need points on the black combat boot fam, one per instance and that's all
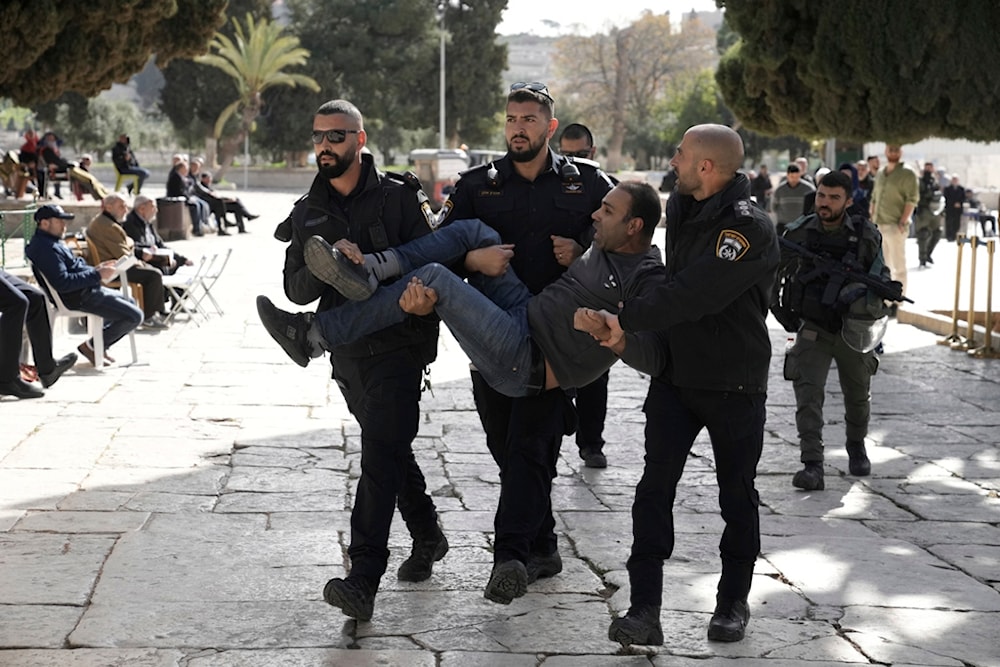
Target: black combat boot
(858, 462)
(810, 477)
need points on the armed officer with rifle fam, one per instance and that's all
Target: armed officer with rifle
(831, 291)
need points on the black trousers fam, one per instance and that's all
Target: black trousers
(383, 393)
(591, 410)
(524, 436)
(152, 288)
(23, 305)
(674, 418)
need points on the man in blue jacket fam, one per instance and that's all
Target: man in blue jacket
(78, 283)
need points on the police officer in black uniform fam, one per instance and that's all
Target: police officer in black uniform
(540, 202)
(828, 314)
(577, 141)
(721, 256)
(380, 375)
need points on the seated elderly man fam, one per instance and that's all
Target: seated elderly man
(107, 237)
(78, 283)
(149, 246)
(221, 204)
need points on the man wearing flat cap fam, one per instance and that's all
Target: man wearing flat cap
(79, 284)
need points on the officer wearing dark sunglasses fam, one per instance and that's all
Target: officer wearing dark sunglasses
(543, 209)
(577, 141)
(380, 375)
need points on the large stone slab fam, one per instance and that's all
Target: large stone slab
(924, 636)
(84, 657)
(884, 572)
(50, 568)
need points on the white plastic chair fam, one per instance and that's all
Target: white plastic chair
(184, 288)
(95, 323)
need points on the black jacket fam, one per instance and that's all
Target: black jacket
(721, 258)
(379, 214)
(526, 213)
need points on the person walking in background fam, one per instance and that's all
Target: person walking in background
(954, 204)
(928, 215)
(577, 141)
(721, 258)
(789, 197)
(894, 198)
(761, 188)
(825, 323)
(126, 163)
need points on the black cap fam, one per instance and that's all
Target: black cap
(52, 211)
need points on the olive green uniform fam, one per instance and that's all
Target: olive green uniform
(818, 341)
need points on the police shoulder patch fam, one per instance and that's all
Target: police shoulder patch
(731, 245)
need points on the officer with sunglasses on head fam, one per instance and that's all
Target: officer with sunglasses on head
(540, 203)
(379, 375)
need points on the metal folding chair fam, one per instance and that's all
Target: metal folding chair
(186, 288)
(215, 268)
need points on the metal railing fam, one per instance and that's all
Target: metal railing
(26, 230)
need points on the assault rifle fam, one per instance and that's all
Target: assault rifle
(844, 272)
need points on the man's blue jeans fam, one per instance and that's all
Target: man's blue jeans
(120, 315)
(488, 316)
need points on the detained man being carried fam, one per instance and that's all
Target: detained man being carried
(522, 344)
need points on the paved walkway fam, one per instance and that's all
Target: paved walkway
(188, 510)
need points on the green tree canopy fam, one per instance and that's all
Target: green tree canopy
(892, 70)
(257, 58)
(55, 46)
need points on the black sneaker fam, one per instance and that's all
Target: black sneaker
(332, 267)
(423, 555)
(62, 365)
(288, 329)
(858, 462)
(353, 596)
(508, 580)
(593, 458)
(542, 566)
(641, 626)
(729, 621)
(810, 477)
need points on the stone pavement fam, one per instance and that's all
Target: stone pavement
(188, 510)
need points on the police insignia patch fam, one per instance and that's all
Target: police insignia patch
(731, 245)
(445, 210)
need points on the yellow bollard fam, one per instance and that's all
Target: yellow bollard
(954, 338)
(986, 351)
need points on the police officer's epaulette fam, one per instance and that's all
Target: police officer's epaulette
(407, 178)
(585, 161)
(797, 222)
(743, 208)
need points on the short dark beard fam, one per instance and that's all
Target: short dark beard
(337, 169)
(528, 155)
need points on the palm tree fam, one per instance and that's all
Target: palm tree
(256, 60)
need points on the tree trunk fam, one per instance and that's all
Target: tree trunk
(617, 138)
